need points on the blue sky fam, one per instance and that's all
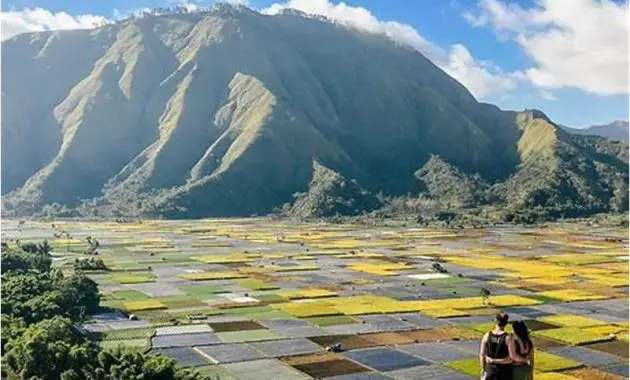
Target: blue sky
(517, 54)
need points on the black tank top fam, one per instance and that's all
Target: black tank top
(496, 347)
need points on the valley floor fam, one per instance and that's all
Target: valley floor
(261, 299)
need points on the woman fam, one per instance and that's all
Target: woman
(523, 353)
(494, 352)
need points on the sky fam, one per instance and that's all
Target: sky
(568, 58)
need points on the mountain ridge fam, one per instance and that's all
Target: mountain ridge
(223, 112)
(616, 130)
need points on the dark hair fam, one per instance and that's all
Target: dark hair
(521, 332)
(501, 319)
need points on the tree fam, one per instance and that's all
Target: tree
(38, 296)
(40, 248)
(53, 349)
(124, 363)
(93, 245)
(47, 350)
(39, 341)
(485, 296)
(79, 293)
(12, 327)
(20, 260)
(439, 268)
(89, 264)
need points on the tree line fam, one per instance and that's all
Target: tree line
(40, 307)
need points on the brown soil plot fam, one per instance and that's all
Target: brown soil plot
(591, 374)
(387, 338)
(615, 347)
(323, 365)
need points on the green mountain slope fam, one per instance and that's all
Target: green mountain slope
(223, 112)
(330, 194)
(561, 174)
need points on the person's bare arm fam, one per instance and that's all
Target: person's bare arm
(483, 351)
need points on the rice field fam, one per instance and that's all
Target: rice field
(238, 298)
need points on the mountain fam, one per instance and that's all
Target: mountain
(617, 130)
(231, 112)
(330, 194)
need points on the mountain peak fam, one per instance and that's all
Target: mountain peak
(214, 117)
(618, 130)
(529, 115)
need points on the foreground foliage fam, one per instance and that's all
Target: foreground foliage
(39, 341)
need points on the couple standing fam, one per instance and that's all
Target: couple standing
(504, 356)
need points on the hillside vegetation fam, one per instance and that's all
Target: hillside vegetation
(223, 112)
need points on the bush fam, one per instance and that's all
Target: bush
(91, 264)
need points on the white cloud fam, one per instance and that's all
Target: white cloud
(546, 95)
(481, 78)
(38, 19)
(573, 43)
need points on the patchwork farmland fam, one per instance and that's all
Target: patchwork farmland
(263, 299)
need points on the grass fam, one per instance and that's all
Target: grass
(270, 298)
(130, 295)
(181, 303)
(139, 344)
(578, 259)
(292, 268)
(444, 313)
(246, 336)
(468, 366)
(305, 310)
(269, 315)
(127, 334)
(144, 305)
(159, 317)
(215, 372)
(331, 320)
(467, 303)
(306, 293)
(132, 279)
(547, 362)
(606, 329)
(569, 295)
(380, 268)
(245, 310)
(553, 376)
(568, 320)
(183, 315)
(231, 259)
(572, 335)
(203, 276)
(256, 284)
(201, 289)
